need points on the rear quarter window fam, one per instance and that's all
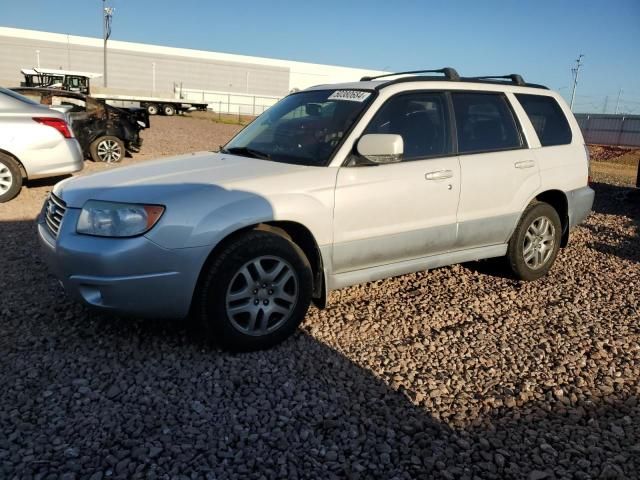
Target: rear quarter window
(547, 118)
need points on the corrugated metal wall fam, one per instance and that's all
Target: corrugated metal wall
(614, 130)
(133, 72)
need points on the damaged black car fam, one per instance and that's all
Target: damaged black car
(105, 133)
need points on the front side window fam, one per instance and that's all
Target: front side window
(484, 123)
(420, 119)
(304, 128)
(547, 118)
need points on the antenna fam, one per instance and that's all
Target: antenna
(575, 71)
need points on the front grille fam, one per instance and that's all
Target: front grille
(54, 212)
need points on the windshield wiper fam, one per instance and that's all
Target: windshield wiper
(247, 152)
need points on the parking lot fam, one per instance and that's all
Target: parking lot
(460, 372)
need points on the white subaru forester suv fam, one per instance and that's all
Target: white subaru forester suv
(333, 186)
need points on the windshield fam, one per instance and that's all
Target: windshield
(304, 128)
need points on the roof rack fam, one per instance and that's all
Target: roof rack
(514, 77)
(448, 72)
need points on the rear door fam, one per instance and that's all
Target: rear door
(499, 173)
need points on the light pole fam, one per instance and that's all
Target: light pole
(153, 78)
(107, 14)
(575, 71)
(38, 58)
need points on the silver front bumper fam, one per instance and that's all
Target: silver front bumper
(131, 276)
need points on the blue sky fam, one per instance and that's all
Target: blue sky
(539, 39)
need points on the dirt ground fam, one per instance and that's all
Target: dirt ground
(457, 373)
(615, 165)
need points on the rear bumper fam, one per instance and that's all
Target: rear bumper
(130, 276)
(66, 157)
(580, 203)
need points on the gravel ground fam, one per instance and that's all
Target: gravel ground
(460, 372)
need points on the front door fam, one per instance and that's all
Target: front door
(401, 211)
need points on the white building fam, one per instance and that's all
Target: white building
(141, 69)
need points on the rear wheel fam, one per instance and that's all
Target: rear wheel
(10, 178)
(256, 292)
(107, 149)
(152, 109)
(169, 110)
(534, 244)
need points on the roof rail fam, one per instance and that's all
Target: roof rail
(448, 72)
(514, 77)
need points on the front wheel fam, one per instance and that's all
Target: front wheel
(534, 244)
(256, 292)
(108, 149)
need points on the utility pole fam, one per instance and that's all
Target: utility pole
(618, 100)
(107, 14)
(576, 71)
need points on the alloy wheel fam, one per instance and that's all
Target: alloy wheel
(539, 241)
(6, 178)
(262, 295)
(109, 151)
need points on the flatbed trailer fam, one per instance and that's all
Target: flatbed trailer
(76, 81)
(155, 105)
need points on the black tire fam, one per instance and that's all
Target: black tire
(541, 253)
(169, 110)
(222, 275)
(152, 109)
(10, 178)
(107, 149)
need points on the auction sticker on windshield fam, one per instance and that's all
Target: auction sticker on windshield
(349, 95)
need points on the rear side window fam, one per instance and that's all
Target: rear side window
(547, 118)
(420, 119)
(485, 123)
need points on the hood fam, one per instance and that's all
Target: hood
(157, 181)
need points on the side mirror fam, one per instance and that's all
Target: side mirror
(381, 148)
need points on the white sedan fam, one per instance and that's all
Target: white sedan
(35, 142)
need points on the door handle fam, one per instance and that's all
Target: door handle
(525, 164)
(438, 175)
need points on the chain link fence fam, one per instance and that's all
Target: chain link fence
(231, 103)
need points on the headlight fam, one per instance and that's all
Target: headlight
(110, 219)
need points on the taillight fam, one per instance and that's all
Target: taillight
(56, 123)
